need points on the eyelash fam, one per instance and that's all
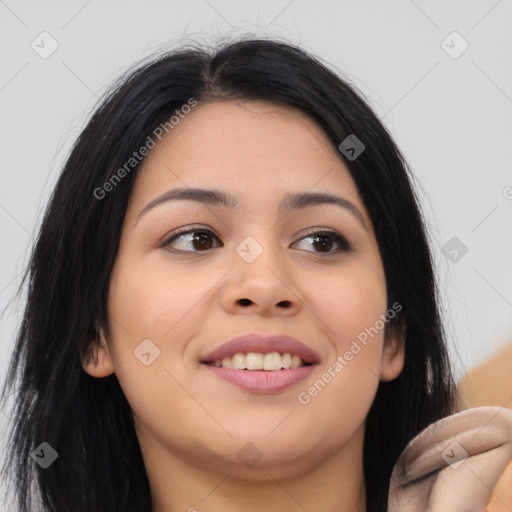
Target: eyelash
(339, 239)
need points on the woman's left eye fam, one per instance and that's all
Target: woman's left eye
(201, 240)
(320, 236)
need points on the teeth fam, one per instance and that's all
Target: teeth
(272, 361)
(256, 361)
(238, 362)
(227, 362)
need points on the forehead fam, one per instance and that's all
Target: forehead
(255, 133)
(257, 150)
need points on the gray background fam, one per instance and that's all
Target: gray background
(450, 116)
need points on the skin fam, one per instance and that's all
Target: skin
(190, 423)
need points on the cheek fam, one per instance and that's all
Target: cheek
(149, 301)
(139, 293)
(153, 315)
(350, 303)
(352, 306)
(343, 392)
(149, 309)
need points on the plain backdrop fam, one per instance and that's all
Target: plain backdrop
(438, 74)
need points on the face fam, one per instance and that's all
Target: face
(250, 269)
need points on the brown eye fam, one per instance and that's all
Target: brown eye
(196, 240)
(324, 241)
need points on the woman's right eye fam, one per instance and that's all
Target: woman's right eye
(199, 238)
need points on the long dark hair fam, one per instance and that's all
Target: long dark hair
(88, 420)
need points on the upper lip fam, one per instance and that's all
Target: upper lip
(263, 344)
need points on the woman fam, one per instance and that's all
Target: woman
(286, 367)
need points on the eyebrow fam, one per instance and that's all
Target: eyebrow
(293, 201)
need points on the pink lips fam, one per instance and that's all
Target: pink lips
(262, 381)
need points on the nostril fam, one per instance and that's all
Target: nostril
(245, 302)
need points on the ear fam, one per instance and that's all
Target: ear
(393, 352)
(98, 361)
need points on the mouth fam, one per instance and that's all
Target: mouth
(262, 364)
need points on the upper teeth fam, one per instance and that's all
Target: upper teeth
(256, 361)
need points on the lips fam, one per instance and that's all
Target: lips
(262, 344)
(262, 381)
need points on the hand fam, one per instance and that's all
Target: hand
(455, 464)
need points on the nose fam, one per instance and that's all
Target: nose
(264, 286)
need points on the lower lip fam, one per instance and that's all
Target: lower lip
(261, 381)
